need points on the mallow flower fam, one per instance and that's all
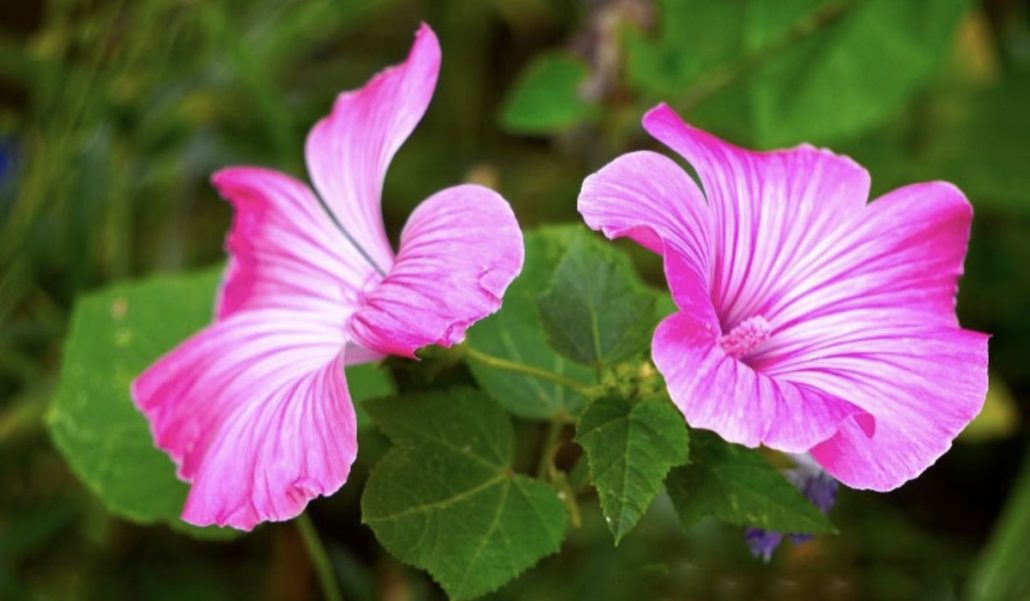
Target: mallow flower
(809, 320)
(254, 409)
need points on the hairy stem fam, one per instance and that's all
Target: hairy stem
(319, 558)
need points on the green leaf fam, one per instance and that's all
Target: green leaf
(514, 334)
(814, 70)
(445, 498)
(862, 65)
(547, 98)
(368, 381)
(974, 138)
(736, 485)
(597, 311)
(994, 122)
(631, 447)
(695, 42)
(115, 334)
(665, 306)
(693, 37)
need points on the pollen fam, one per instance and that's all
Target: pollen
(745, 336)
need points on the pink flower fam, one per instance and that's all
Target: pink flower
(809, 320)
(254, 409)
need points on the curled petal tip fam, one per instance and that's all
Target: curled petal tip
(660, 111)
(424, 29)
(459, 251)
(661, 107)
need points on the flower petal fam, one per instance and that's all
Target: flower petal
(858, 299)
(718, 392)
(771, 210)
(255, 412)
(873, 321)
(284, 252)
(348, 152)
(922, 386)
(458, 252)
(900, 260)
(652, 200)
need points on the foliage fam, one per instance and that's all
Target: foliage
(548, 96)
(446, 498)
(595, 311)
(631, 447)
(734, 484)
(509, 463)
(114, 335)
(512, 334)
(813, 66)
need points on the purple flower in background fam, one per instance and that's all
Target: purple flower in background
(810, 320)
(7, 147)
(255, 409)
(816, 485)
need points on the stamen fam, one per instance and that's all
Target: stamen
(745, 336)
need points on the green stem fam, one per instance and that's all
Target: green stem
(568, 495)
(550, 447)
(522, 368)
(558, 479)
(319, 558)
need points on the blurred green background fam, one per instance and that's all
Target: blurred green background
(113, 115)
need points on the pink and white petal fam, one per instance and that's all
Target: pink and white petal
(903, 254)
(922, 385)
(284, 252)
(255, 412)
(458, 252)
(689, 290)
(652, 200)
(874, 322)
(861, 302)
(349, 151)
(717, 392)
(771, 210)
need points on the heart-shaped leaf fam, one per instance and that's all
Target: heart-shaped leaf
(446, 499)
